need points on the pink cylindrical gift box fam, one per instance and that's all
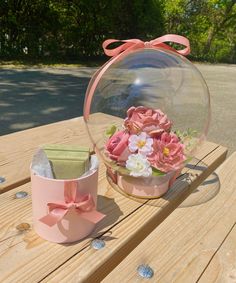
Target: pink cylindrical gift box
(73, 226)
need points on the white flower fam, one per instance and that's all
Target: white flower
(138, 165)
(142, 142)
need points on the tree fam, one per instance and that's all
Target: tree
(208, 24)
(69, 29)
(222, 14)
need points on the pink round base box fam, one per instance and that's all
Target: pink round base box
(64, 211)
(147, 188)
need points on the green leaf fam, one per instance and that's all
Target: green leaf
(110, 131)
(156, 172)
(121, 169)
(188, 159)
(189, 133)
(124, 171)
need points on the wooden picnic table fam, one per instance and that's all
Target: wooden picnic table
(188, 235)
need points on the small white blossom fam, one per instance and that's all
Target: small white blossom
(138, 165)
(142, 142)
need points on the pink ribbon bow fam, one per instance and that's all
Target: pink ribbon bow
(133, 44)
(127, 46)
(83, 205)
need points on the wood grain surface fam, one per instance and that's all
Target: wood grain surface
(194, 244)
(16, 150)
(222, 267)
(25, 257)
(126, 235)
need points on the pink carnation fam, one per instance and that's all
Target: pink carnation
(168, 153)
(143, 119)
(117, 146)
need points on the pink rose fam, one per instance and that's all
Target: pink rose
(168, 153)
(143, 119)
(117, 146)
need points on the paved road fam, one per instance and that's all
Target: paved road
(37, 96)
(221, 80)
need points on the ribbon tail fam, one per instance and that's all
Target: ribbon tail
(51, 219)
(93, 216)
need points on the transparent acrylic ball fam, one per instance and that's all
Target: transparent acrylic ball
(154, 79)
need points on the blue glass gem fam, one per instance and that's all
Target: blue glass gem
(21, 194)
(145, 271)
(2, 180)
(98, 244)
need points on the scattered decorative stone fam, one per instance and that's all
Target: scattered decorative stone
(2, 180)
(98, 244)
(145, 271)
(21, 194)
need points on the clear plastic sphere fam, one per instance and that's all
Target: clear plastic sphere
(155, 79)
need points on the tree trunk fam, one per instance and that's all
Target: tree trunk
(211, 34)
(217, 26)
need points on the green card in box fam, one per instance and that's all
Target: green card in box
(67, 161)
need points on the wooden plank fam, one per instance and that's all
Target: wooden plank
(24, 256)
(93, 266)
(222, 267)
(16, 150)
(181, 248)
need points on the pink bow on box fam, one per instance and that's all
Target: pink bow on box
(130, 45)
(84, 206)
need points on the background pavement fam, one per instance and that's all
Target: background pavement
(30, 97)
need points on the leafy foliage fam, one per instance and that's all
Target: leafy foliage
(156, 172)
(69, 29)
(111, 131)
(210, 26)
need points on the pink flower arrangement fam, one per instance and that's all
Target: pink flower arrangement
(146, 146)
(143, 119)
(168, 153)
(117, 144)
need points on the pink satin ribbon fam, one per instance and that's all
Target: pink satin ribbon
(128, 46)
(83, 205)
(133, 44)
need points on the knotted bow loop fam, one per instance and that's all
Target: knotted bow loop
(84, 206)
(128, 44)
(133, 44)
(178, 39)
